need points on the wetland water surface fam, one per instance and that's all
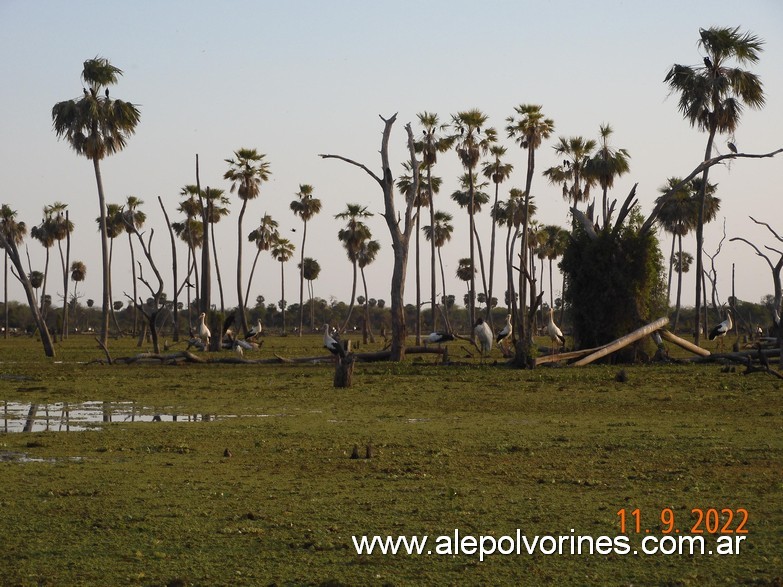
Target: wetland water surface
(76, 417)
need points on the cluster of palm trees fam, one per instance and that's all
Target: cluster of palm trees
(711, 97)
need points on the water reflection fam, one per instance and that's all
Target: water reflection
(70, 417)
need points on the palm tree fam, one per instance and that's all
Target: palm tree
(430, 144)
(10, 234)
(463, 198)
(191, 230)
(606, 165)
(264, 238)
(712, 97)
(115, 226)
(679, 215)
(13, 232)
(353, 237)
(95, 126)
(681, 262)
(573, 173)
(133, 220)
(554, 241)
(465, 272)
(61, 229)
(282, 251)
(497, 172)
(310, 270)
(366, 255)
(78, 273)
(405, 185)
(471, 144)
(529, 129)
(439, 233)
(247, 171)
(305, 206)
(44, 234)
(216, 208)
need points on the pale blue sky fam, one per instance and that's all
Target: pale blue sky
(294, 79)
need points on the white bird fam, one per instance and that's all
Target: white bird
(256, 330)
(238, 349)
(505, 334)
(722, 329)
(484, 335)
(203, 332)
(554, 332)
(439, 337)
(332, 345)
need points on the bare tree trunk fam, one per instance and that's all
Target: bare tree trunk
(106, 291)
(418, 277)
(174, 270)
(301, 278)
(242, 302)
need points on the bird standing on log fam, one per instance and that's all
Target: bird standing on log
(722, 329)
(203, 332)
(554, 332)
(331, 344)
(483, 336)
(256, 330)
(504, 335)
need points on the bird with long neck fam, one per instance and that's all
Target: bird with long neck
(483, 337)
(331, 344)
(203, 332)
(721, 330)
(504, 335)
(555, 334)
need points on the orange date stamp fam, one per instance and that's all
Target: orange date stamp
(701, 521)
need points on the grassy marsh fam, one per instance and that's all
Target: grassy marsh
(484, 449)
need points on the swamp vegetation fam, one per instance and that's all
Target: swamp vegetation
(266, 492)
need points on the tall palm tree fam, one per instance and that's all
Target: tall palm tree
(78, 273)
(264, 238)
(405, 185)
(44, 234)
(498, 172)
(96, 125)
(216, 204)
(13, 232)
(431, 142)
(712, 98)
(465, 272)
(310, 270)
(353, 237)
(61, 229)
(115, 226)
(572, 174)
(190, 231)
(554, 240)
(366, 255)
(439, 233)
(607, 164)
(246, 171)
(305, 206)
(679, 215)
(473, 139)
(10, 234)
(133, 220)
(282, 251)
(528, 128)
(463, 198)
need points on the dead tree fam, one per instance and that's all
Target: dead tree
(776, 281)
(400, 228)
(175, 303)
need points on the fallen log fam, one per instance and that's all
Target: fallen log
(624, 341)
(555, 357)
(682, 343)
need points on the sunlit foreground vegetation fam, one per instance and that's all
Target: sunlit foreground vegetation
(272, 495)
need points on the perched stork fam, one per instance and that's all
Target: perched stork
(722, 329)
(484, 336)
(256, 330)
(438, 337)
(732, 147)
(504, 335)
(202, 331)
(554, 332)
(331, 344)
(708, 63)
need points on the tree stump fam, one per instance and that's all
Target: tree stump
(343, 371)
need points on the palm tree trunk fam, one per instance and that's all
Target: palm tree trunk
(241, 300)
(282, 291)
(671, 266)
(492, 257)
(700, 232)
(551, 287)
(679, 289)
(111, 296)
(443, 282)
(217, 269)
(472, 287)
(512, 298)
(483, 272)
(301, 279)
(5, 294)
(312, 304)
(418, 279)
(43, 287)
(250, 279)
(367, 325)
(353, 298)
(106, 290)
(174, 271)
(133, 275)
(433, 284)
